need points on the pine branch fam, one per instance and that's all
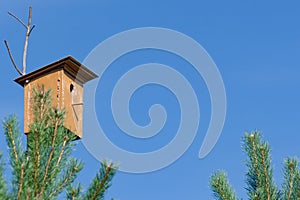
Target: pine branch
(290, 188)
(255, 157)
(69, 177)
(220, 186)
(28, 195)
(11, 138)
(10, 126)
(251, 143)
(21, 181)
(3, 186)
(63, 184)
(37, 139)
(101, 182)
(265, 174)
(73, 192)
(270, 190)
(297, 185)
(36, 161)
(49, 157)
(259, 178)
(42, 105)
(61, 153)
(260, 182)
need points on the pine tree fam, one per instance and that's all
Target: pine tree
(45, 168)
(259, 177)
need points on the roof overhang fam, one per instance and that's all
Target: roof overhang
(70, 65)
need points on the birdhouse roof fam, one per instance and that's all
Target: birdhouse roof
(70, 65)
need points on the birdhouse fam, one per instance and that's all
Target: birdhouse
(65, 78)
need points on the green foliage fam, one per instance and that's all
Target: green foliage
(3, 187)
(291, 185)
(73, 192)
(100, 183)
(221, 187)
(259, 177)
(45, 169)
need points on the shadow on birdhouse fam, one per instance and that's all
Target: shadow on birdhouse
(65, 78)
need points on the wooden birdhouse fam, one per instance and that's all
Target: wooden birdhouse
(65, 78)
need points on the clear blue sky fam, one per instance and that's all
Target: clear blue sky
(255, 44)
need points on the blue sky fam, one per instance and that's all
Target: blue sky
(255, 45)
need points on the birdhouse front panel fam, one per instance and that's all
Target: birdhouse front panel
(65, 78)
(51, 81)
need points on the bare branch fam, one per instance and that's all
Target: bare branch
(12, 58)
(18, 19)
(31, 29)
(30, 16)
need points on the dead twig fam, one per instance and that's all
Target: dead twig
(12, 58)
(18, 19)
(29, 29)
